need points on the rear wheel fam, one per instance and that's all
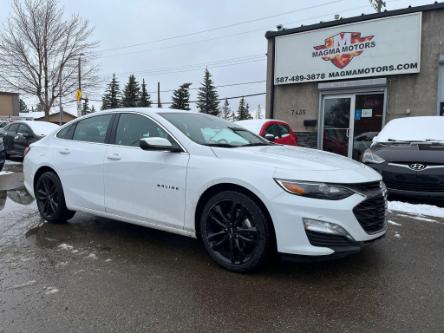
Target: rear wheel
(235, 231)
(50, 199)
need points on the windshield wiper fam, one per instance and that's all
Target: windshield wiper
(256, 144)
(223, 145)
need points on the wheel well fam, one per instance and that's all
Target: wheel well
(229, 187)
(40, 172)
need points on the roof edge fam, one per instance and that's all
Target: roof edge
(354, 19)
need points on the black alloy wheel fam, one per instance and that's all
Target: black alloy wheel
(50, 199)
(235, 231)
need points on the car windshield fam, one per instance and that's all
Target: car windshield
(212, 131)
(42, 127)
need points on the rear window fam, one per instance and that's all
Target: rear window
(67, 132)
(93, 129)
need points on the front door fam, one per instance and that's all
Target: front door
(147, 186)
(350, 122)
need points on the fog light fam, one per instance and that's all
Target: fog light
(325, 228)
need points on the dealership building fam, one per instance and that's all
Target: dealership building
(337, 83)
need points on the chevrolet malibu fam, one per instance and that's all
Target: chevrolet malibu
(200, 176)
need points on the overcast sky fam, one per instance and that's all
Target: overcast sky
(233, 54)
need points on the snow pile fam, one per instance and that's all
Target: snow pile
(412, 129)
(420, 210)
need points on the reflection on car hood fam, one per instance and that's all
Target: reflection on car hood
(427, 153)
(288, 157)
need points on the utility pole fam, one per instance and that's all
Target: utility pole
(159, 105)
(60, 94)
(79, 103)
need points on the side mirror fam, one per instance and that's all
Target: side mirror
(157, 144)
(269, 137)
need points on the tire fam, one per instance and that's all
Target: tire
(235, 232)
(51, 200)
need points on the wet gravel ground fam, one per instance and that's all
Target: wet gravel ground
(98, 275)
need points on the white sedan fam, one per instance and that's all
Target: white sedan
(200, 176)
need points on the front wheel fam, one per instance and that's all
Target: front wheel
(235, 231)
(50, 199)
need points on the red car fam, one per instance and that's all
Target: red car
(273, 130)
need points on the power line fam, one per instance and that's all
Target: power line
(223, 26)
(220, 86)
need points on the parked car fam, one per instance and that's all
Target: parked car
(361, 143)
(20, 134)
(409, 154)
(3, 124)
(273, 130)
(201, 176)
(2, 154)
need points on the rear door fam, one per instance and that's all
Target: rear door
(141, 185)
(79, 155)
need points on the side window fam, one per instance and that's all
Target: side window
(92, 129)
(25, 130)
(272, 129)
(12, 128)
(133, 127)
(284, 130)
(67, 132)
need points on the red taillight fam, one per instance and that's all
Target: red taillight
(27, 150)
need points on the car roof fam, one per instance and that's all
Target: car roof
(145, 110)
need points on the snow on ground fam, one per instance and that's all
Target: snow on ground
(421, 211)
(394, 223)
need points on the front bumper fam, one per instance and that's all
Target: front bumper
(402, 181)
(288, 212)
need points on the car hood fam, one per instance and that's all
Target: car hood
(426, 153)
(299, 163)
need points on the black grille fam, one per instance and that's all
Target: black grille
(371, 214)
(328, 240)
(421, 186)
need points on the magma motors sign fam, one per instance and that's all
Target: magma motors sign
(381, 47)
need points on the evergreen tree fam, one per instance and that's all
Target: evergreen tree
(112, 97)
(93, 109)
(144, 98)
(226, 111)
(181, 97)
(131, 93)
(23, 106)
(207, 97)
(243, 112)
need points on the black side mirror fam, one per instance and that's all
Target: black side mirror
(269, 137)
(158, 144)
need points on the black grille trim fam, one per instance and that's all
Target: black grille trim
(371, 214)
(328, 240)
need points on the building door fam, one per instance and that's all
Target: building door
(350, 122)
(337, 122)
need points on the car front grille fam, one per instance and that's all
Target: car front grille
(421, 186)
(371, 213)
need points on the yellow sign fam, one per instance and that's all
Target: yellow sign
(78, 95)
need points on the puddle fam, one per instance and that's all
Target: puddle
(12, 191)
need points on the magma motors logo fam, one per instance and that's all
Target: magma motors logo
(340, 49)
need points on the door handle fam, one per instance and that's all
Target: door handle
(114, 157)
(64, 151)
(348, 133)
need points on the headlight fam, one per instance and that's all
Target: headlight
(315, 190)
(370, 157)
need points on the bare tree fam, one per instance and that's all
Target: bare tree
(378, 5)
(38, 48)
